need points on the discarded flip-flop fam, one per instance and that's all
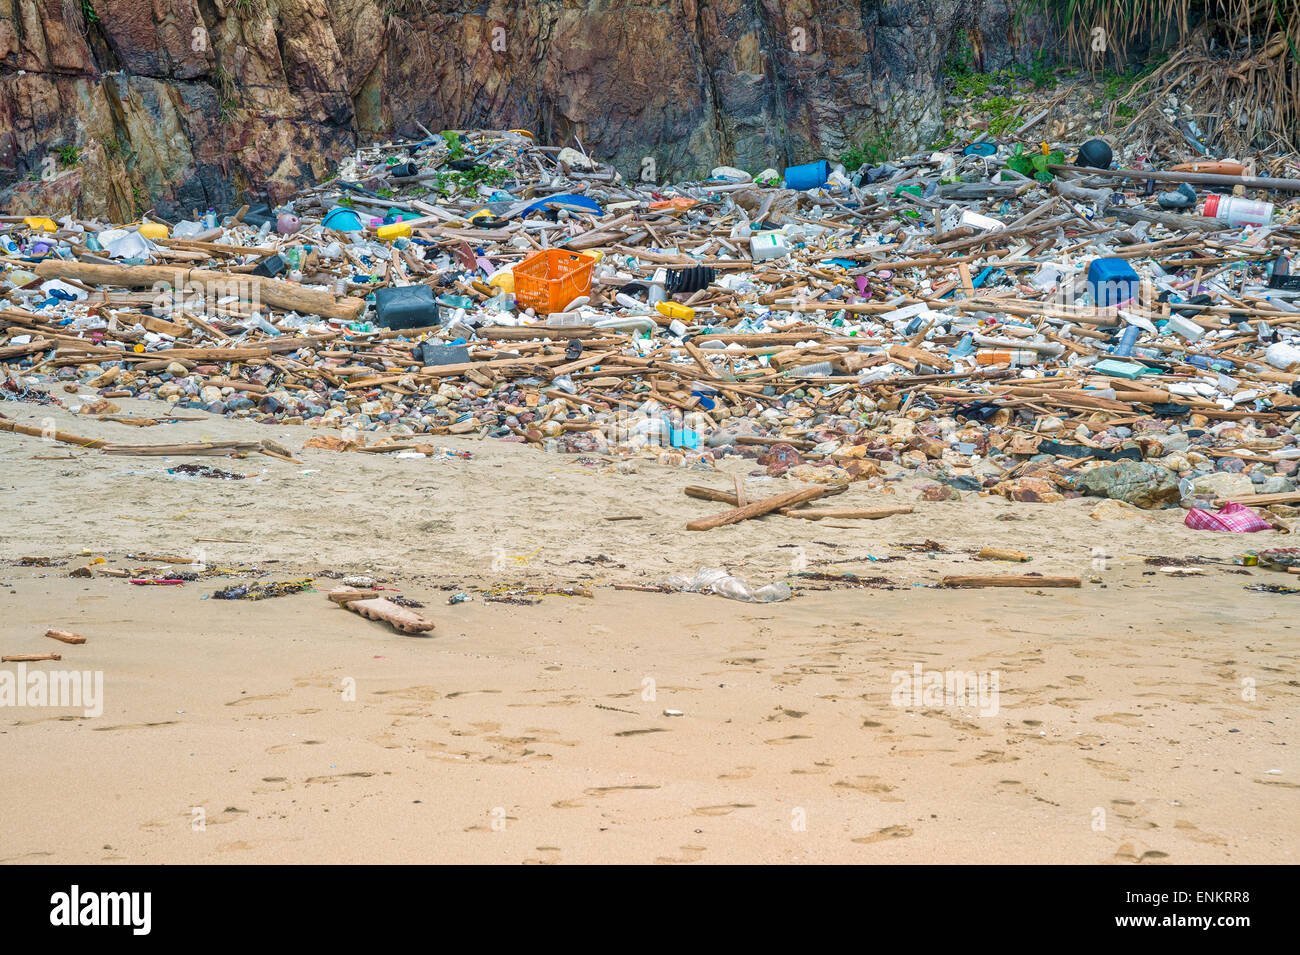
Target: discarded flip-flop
(373, 607)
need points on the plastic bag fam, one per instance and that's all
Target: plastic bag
(717, 581)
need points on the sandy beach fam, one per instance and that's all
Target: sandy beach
(1147, 717)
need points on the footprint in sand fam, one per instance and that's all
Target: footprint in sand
(488, 826)
(550, 855)
(688, 855)
(47, 719)
(724, 810)
(460, 693)
(257, 699)
(784, 740)
(423, 694)
(411, 710)
(1124, 719)
(783, 714)
(1126, 853)
(568, 699)
(135, 726)
(864, 784)
(511, 759)
(815, 770)
(882, 835)
(740, 772)
(1192, 832)
(325, 681)
(279, 748)
(605, 790)
(543, 735)
(25, 856)
(1126, 809)
(225, 817)
(990, 756)
(1069, 702)
(657, 729)
(1109, 770)
(448, 756)
(336, 777)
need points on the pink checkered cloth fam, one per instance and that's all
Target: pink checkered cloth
(1235, 518)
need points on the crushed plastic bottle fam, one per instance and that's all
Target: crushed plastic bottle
(717, 581)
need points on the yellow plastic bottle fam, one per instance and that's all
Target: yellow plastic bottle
(503, 279)
(394, 230)
(675, 310)
(152, 230)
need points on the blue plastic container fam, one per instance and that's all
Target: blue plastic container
(1111, 281)
(343, 219)
(685, 438)
(810, 175)
(1127, 339)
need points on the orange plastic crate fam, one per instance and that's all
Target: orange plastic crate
(547, 281)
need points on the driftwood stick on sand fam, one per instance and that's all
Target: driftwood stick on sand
(370, 605)
(756, 509)
(286, 295)
(857, 513)
(727, 497)
(62, 436)
(1011, 580)
(29, 657)
(65, 636)
(998, 553)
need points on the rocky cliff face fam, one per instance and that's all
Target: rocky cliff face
(112, 106)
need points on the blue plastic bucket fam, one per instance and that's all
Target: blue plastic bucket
(343, 219)
(808, 176)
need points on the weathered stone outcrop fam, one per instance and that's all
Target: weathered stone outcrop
(182, 104)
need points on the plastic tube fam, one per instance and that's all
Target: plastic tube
(627, 323)
(1051, 349)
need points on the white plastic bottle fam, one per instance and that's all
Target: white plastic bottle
(1238, 212)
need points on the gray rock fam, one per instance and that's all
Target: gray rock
(1139, 483)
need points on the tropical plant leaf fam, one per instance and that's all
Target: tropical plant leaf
(1021, 164)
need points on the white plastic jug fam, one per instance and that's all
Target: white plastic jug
(769, 245)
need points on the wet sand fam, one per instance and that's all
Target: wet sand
(289, 730)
